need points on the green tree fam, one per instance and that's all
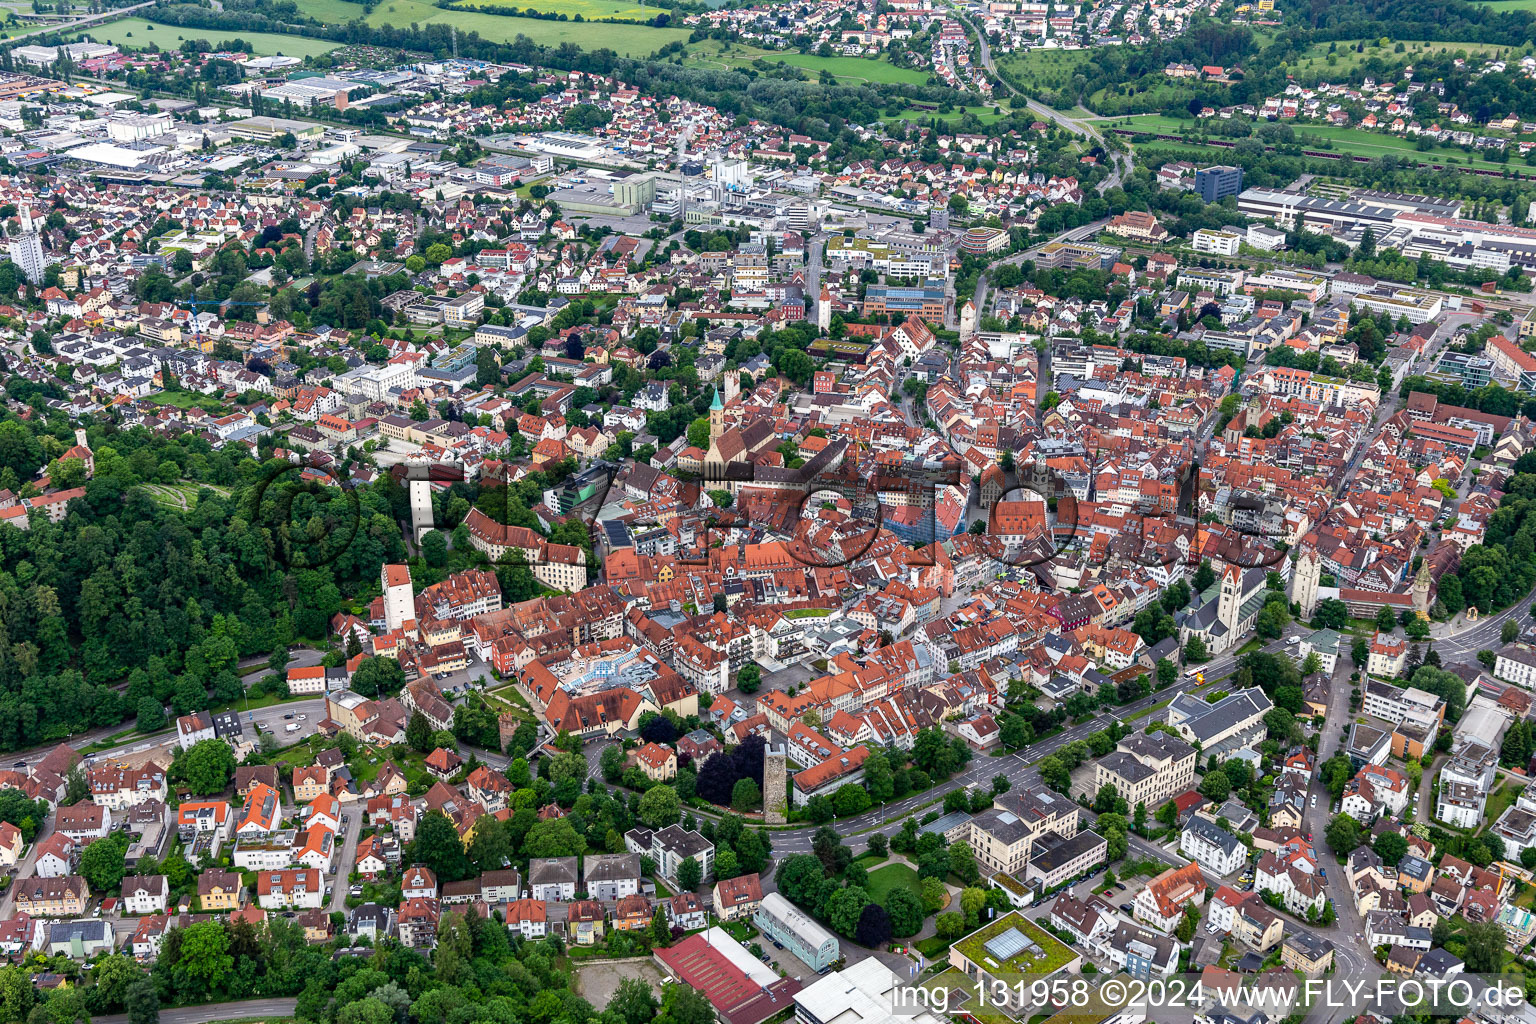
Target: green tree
(1484, 942)
(378, 677)
(1343, 834)
(683, 1004)
(556, 837)
(418, 733)
(489, 847)
(1195, 650)
(437, 846)
(844, 908)
(689, 875)
(206, 768)
(749, 678)
(101, 863)
(633, 1002)
(906, 910)
(1391, 847)
(1216, 786)
(141, 1001)
(745, 796)
(204, 956)
(660, 807)
(934, 894)
(151, 715)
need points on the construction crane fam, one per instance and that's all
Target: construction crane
(195, 303)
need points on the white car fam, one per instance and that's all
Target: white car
(1314, 801)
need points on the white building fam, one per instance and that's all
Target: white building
(1225, 242)
(1212, 847)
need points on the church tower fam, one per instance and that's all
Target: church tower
(1421, 585)
(716, 419)
(1304, 580)
(1231, 597)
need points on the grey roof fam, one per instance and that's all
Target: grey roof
(1052, 850)
(1208, 720)
(86, 930)
(1124, 766)
(1004, 826)
(1208, 830)
(1310, 945)
(552, 871)
(612, 867)
(947, 822)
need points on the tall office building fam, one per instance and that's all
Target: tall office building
(27, 249)
(1216, 183)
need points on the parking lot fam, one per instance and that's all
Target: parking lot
(597, 982)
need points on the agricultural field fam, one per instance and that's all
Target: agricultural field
(1508, 5)
(137, 34)
(627, 40)
(333, 12)
(1346, 59)
(591, 10)
(711, 53)
(1043, 69)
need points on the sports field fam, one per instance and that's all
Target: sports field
(627, 40)
(710, 53)
(137, 34)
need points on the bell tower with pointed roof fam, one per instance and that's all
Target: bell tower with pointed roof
(716, 418)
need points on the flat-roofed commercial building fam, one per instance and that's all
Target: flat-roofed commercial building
(786, 923)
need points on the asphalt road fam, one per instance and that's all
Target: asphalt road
(78, 23)
(1118, 168)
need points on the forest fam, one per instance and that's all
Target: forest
(129, 597)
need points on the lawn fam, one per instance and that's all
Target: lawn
(892, 877)
(986, 115)
(626, 40)
(713, 54)
(1353, 141)
(187, 400)
(1500, 799)
(591, 10)
(1043, 69)
(933, 949)
(137, 34)
(1508, 5)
